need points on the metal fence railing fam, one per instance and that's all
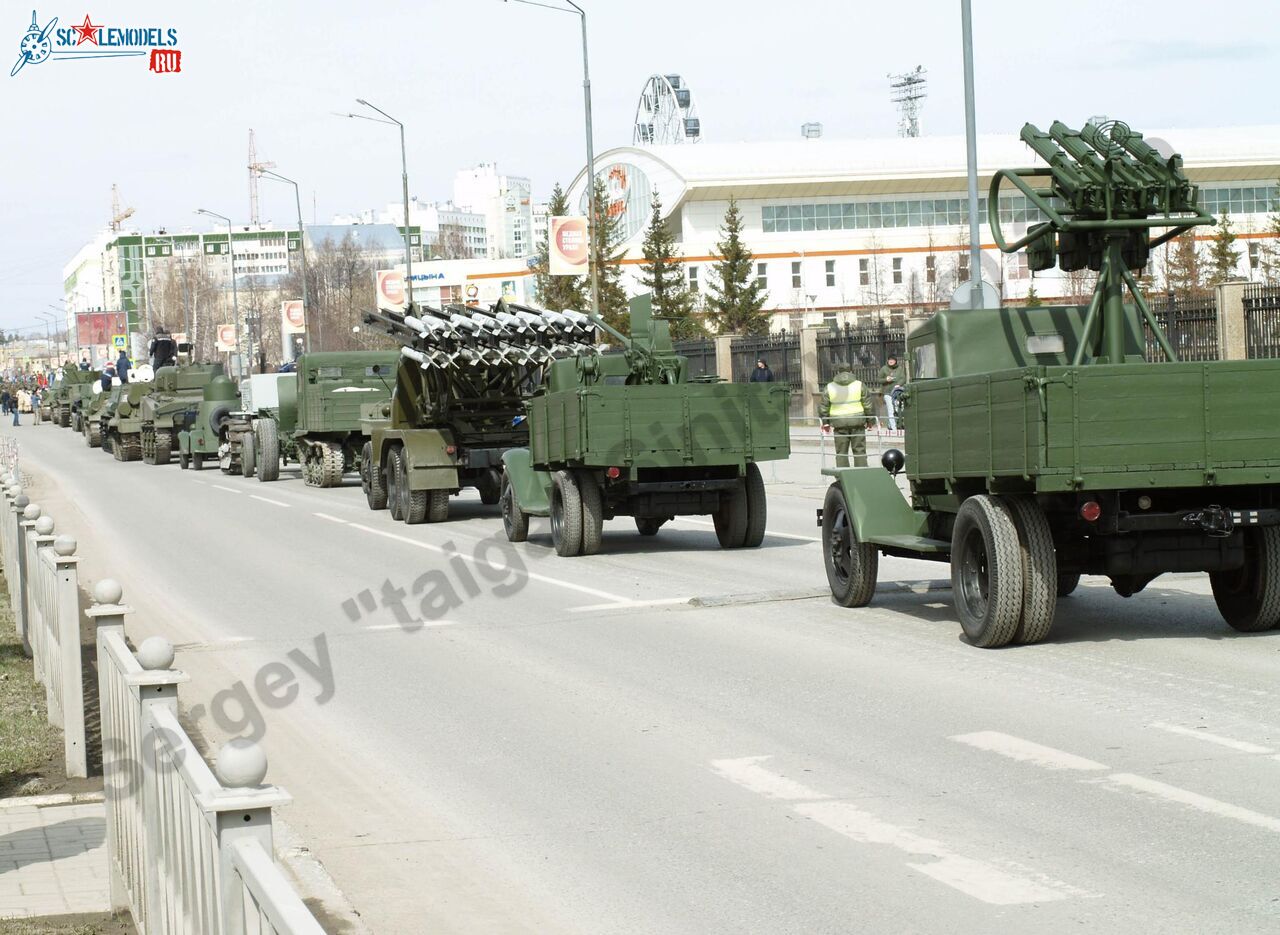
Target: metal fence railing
(860, 349)
(1262, 320)
(1189, 322)
(701, 353)
(780, 350)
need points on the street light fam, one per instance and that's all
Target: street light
(60, 312)
(591, 152)
(302, 247)
(235, 302)
(404, 178)
(48, 341)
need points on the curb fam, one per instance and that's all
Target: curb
(46, 801)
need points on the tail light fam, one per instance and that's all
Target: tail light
(1090, 511)
(613, 473)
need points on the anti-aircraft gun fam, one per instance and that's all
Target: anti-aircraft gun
(458, 400)
(1045, 445)
(629, 434)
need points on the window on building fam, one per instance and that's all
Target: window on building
(1017, 266)
(1255, 256)
(795, 275)
(864, 272)
(795, 321)
(897, 270)
(830, 319)
(962, 267)
(693, 278)
(831, 273)
(762, 275)
(931, 268)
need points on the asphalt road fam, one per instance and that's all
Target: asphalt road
(667, 738)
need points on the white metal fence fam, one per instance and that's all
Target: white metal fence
(190, 849)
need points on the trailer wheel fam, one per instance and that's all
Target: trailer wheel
(592, 511)
(515, 521)
(648, 525)
(566, 514)
(1067, 583)
(731, 519)
(248, 454)
(267, 437)
(375, 489)
(986, 571)
(757, 507)
(852, 566)
(1039, 570)
(1249, 598)
(395, 483)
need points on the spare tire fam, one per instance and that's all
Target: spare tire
(219, 417)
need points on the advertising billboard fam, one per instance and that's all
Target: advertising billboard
(94, 328)
(567, 237)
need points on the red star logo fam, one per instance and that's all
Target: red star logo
(88, 32)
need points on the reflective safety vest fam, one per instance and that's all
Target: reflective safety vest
(846, 401)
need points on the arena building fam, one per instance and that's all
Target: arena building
(857, 229)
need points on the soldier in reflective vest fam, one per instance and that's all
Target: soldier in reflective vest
(845, 405)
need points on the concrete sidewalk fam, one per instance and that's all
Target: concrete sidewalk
(53, 856)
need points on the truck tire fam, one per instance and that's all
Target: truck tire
(852, 566)
(566, 514)
(416, 503)
(757, 508)
(592, 511)
(648, 525)
(490, 487)
(437, 506)
(1249, 598)
(515, 521)
(986, 571)
(1067, 583)
(395, 484)
(197, 461)
(375, 488)
(731, 519)
(184, 459)
(248, 454)
(1039, 570)
(219, 417)
(267, 437)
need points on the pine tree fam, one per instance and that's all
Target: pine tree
(665, 278)
(557, 292)
(1183, 272)
(604, 231)
(1033, 297)
(737, 299)
(1223, 255)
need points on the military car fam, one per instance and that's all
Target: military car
(172, 406)
(1045, 446)
(630, 434)
(205, 431)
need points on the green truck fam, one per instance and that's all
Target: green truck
(171, 406)
(259, 436)
(1045, 446)
(629, 434)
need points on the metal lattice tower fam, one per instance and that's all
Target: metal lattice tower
(907, 90)
(255, 170)
(666, 113)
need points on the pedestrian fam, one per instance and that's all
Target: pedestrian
(35, 407)
(13, 402)
(162, 350)
(845, 404)
(108, 372)
(84, 363)
(4, 400)
(762, 373)
(891, 379)
(122, 367)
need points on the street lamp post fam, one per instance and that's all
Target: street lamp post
(235, 302)
(404, 179)
(302, 246)
(591, 152)
(48, 341)
(59, 313)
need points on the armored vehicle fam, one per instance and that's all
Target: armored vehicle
(206, 430)
(321, 419)
(91, 415)
(122, 427)
(1044, 446)
(458, 401)
(171, 406)
(79, 395)
(630, 434)
(60, 397)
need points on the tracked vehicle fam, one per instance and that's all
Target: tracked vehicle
(171, 406)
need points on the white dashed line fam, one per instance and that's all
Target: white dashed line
(767, 533)
(747, 772)
(409, 627)
(333, 519)
(629, 605)
(1194, 800)
(254, 496)
(227, 489)
(1015, 748)
(1242, 745)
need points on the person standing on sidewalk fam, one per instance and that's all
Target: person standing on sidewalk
(844, 408)
(35, 406)
(891, 378)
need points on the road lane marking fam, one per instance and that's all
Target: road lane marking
(532, 576)
(1194, 800)
(409, 627)
(977, 878)
(1242, 745)
(1015, 748)
(227, 489)
(629, 605)
(254, 496)
(767, 533)
(332, 519)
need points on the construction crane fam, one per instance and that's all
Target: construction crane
(255, 170)
(118, 215)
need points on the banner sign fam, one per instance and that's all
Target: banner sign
(391, 292)
(292, 320)
(567, 246)
(226, 338)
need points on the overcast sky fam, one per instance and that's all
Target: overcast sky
(487, 80)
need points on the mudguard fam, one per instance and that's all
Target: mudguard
(881, 514)
(431, 467)
(532, 488)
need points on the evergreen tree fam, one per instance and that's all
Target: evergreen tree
(736, 300)
(604, 231)
(1183, 273)
(557, 292)
(1033, 297)
(665, 278)
(1271, 252)
(1223, 255)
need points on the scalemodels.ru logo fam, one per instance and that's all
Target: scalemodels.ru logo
(96, 40)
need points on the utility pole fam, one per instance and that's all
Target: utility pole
(235, 302)
(971, 152)
(302, 249)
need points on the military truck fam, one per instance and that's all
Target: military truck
(1043, 444)
(91, 415)
(260, 434)
(630, 434)
(458, 401)
(172, 406)
(206, 429)
(122, 426)
(321, 419)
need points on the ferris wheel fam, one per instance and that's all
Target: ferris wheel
(666, 113)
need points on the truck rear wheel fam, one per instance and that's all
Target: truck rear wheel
(395, 483)
(592, 512)
(267, 437)
(986, 571)
(731, 519)
(757, 507)
(515, 521)
(566, 514)
(1249, 598)
(852, 566)
(1039, 570)
(375, 490)
(438, 506)
(490, 486)
(248, 454)
(1067, 583)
